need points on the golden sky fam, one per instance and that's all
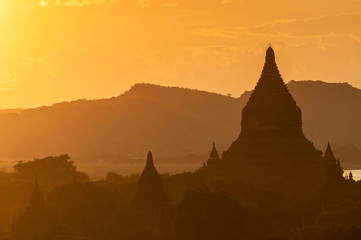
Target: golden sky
(57, 50)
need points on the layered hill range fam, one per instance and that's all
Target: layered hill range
(173, 122)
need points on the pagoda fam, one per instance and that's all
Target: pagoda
(150, 215)
(271, 122)
(35, 222)
(150, 199)
(272, 147)
(334, 169)
(213, 156)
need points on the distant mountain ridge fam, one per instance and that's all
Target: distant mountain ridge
(170, 121)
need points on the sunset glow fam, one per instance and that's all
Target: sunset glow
(57, 50)
(180, 119)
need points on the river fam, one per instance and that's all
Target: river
(355, 172)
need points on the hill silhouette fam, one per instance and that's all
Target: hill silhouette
(171, 121)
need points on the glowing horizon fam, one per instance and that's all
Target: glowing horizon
(54, 51)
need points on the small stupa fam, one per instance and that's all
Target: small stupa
(35, 222)
(213, 156)
(334, 169)
(36, 201)
(150, 199)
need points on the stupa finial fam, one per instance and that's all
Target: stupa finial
(150, 159)
(214, 153)
(270, 54)
(329, 153)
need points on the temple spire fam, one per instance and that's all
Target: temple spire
(150, 196)
(214, 153)
(35, 222)
(149, 175)
(271, 115)
(270, 54)
(37, 202)
(270, 68)
(213, 156)
(329, 154)
(150, 160)
(335, 171)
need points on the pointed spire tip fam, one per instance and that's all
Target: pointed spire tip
(328, 146)
(270, 54)
(150, 158)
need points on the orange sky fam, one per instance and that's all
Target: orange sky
(51, 51)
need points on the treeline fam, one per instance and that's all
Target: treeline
(76, 208)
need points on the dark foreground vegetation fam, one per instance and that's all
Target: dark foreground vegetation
(64, 204)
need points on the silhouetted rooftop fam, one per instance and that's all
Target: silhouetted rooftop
(214, 153)
(150, 195)
(329, 154)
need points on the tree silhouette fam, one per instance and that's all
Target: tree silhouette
(54, 171)
(209, 216)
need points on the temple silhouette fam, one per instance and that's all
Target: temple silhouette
(272, 146)
(150, 199)
(35, 222)
(334, 169)
(213, 156)
(277, 181)
(150, 214)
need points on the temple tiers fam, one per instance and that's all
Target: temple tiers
(272, 151)
(271, 121)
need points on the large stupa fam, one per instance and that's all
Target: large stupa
(271, 145)
(271, 122)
